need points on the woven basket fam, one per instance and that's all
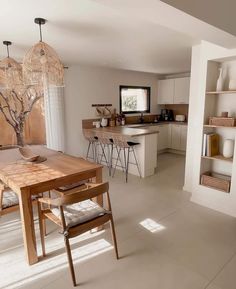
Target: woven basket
(222, 121)
(216, 181)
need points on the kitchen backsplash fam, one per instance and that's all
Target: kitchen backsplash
(177, 109)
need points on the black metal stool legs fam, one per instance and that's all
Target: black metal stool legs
(91, 146)
(87, 154)
(126, 155)
(127, 165)
(103, 154)
(136, 161)
(110, 160)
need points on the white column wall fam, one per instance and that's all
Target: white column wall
(220, 201)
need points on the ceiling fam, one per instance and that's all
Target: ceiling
(139, 35)
(215, 12)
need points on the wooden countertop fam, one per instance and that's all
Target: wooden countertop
(126, 131)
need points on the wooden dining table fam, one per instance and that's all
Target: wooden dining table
(32, 178)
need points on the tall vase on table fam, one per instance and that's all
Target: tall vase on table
(220, 80)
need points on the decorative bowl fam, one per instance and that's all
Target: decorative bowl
(27, 154)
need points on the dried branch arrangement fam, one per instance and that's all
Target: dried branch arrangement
(16, 104)
(21, 86)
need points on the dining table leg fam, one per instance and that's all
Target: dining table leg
(27, 220)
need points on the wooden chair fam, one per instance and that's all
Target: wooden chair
(9, 201)
(76, 214)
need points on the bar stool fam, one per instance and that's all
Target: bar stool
(106, 146)
(127, 147)
(93, 142)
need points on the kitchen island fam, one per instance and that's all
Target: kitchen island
(146, 151)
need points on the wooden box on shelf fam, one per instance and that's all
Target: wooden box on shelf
(216, 181)
(222, 121)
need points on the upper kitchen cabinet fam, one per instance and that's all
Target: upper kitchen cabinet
(173, 91)
(166, 91)
(181, 91)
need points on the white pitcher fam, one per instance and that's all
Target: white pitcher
(104, 122)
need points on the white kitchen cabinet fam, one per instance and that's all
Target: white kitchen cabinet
(183, 137)
(181, 91)
(175, 136)
(178, 137)
(173, 91)
(170, 136)
(163, 137)
(165, 91)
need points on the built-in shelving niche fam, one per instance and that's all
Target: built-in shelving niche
(215, 104)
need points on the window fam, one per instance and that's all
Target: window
(134, 99)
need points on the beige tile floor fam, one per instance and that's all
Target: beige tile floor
(192, 248)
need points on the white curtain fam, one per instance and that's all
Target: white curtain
(54, 118)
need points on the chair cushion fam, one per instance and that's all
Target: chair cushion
(79, 213)
(9, 199)
(72, 186)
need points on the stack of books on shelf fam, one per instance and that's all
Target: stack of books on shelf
(210, 146)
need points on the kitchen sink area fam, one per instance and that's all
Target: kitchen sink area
(147, 124)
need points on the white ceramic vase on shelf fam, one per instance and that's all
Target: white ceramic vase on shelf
(228, 148)
(220, 81)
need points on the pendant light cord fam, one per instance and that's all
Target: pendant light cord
(40, 31)
(7, 43)
(7, 51)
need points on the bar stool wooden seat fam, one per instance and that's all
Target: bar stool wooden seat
(76, 214)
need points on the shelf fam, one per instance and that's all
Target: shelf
(219, 126)
(209, 187)
(216, 181)
(221, 92)
(219, 158)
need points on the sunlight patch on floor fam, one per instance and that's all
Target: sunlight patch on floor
(152, 225)
(54, 263)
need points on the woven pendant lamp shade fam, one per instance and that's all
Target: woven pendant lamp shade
(2, 78)
(10, 73)
(41, 62)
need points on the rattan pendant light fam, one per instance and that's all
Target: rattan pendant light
(41, 63)
(2, 78)
(10, 71)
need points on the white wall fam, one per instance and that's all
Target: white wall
(86, 85)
